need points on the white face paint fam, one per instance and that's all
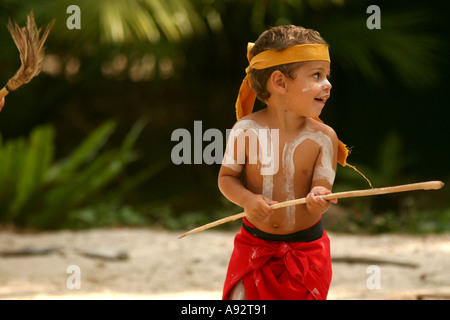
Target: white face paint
(306, 89)
(324, 83)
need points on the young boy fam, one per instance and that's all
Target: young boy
(287, 153)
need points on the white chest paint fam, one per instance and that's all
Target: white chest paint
(323, 170)
(268, 157)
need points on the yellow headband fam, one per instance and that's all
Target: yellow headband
(271, 58)
(298, 53)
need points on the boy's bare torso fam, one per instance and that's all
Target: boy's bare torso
(299, 154)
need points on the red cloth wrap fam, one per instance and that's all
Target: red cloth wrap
(273, 270)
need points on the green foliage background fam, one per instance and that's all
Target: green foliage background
(176, 61)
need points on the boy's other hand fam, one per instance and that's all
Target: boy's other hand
(2, 103)
(314, 201)
(258, 207)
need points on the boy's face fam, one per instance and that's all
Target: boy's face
(310, 88)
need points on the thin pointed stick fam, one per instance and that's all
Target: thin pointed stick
(31, 49)
(430, 185)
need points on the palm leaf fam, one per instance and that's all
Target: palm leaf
(37, 159)
(125, 21)
(86, 151)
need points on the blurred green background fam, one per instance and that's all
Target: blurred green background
(88, 142)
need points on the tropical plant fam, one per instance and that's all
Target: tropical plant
(37, 191)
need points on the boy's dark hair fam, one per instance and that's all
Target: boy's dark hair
(279, 38)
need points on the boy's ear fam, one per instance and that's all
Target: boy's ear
(278, 81)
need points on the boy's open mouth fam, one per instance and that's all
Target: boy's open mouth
(322, 99)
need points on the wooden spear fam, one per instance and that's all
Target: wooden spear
(31, 49)
(430, 185)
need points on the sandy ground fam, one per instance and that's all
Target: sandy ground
(160, 266)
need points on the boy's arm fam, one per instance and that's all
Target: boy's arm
(323, 183)
(256, 206)
(231, 185)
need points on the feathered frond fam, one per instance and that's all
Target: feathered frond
(31, 49)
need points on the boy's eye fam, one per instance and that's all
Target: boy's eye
(318, 76)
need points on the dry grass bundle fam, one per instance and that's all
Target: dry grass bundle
(31, 49)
